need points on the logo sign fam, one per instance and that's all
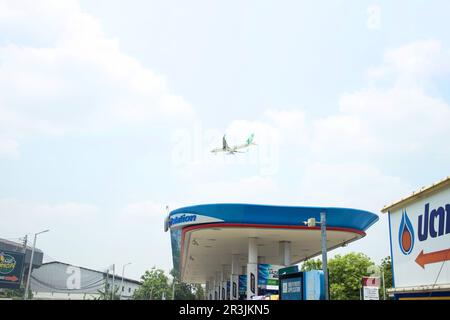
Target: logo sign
(183, 219)
(420, 240)
(11, 264)
(406, 235)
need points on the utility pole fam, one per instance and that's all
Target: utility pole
(323, 231)
(25, 241)
(311, 222)
(113, 280)
(30, 267)
(106, 284)
(121, 283)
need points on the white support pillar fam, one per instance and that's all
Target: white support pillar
(285, 253)
(217, 285)
(234, 277)
(252, 268)
(211, 289)
(223, 283)
(207, 289)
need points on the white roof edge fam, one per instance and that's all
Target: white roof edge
(438, 287)
(417, 194)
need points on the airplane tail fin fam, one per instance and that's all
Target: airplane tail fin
(250, 139)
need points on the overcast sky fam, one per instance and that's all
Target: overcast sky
(108, 110)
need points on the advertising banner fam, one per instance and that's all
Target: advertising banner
(268, 276)
(11, 265)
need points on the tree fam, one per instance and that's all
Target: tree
(199, 292)
(345, 274)
(183, 291)
(386, 267)
(155, 286)
(309, 265)
(107, 294)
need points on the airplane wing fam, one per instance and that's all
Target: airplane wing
(218, 150)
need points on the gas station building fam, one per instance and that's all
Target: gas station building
(231, 247)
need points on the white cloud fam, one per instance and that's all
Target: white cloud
(413, 63)
(8, 148)
(350, 184)
(379, 120)
(247, 190)
(137, 232)
(60, 73)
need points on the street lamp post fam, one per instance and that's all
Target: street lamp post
(323, 231)
(30, 267)
(123, 274)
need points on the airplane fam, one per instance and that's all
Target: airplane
(234, 149)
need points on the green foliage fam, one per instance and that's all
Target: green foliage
(313, 264)
(107, 294)
(183, 291)
(345, 273)
(199, 292)
(155, 286)
(14, 294)
(386, 267)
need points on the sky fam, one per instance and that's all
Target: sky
(108, 110)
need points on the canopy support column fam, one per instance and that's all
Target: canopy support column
(234, 278)
(252, 268)
(285, 253)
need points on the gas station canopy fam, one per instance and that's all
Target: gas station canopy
(206, 238)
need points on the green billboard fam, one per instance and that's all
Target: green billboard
(11, 265)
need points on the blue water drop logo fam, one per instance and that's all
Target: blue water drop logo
(406, 235)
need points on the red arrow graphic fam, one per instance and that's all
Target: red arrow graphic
(11, 278)
(432, 257)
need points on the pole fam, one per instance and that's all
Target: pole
(106, 284)
(25, 241)
(30, 267)
(113, 280)
(121, 283)
(173, 289)
(323, 231)
(384, 286)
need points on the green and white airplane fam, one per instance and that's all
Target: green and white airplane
(234, 149)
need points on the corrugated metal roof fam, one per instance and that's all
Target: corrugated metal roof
(101, 272)
(424, 191)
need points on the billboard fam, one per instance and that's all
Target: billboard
(11, 265)
(420, 241)
(268, 276)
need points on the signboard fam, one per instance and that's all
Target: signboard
(370, 287)
(268, 276)
(242, 286)
(291, 286)
(11, 265)
(371, 293)
(287, 270)
(420, 241)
